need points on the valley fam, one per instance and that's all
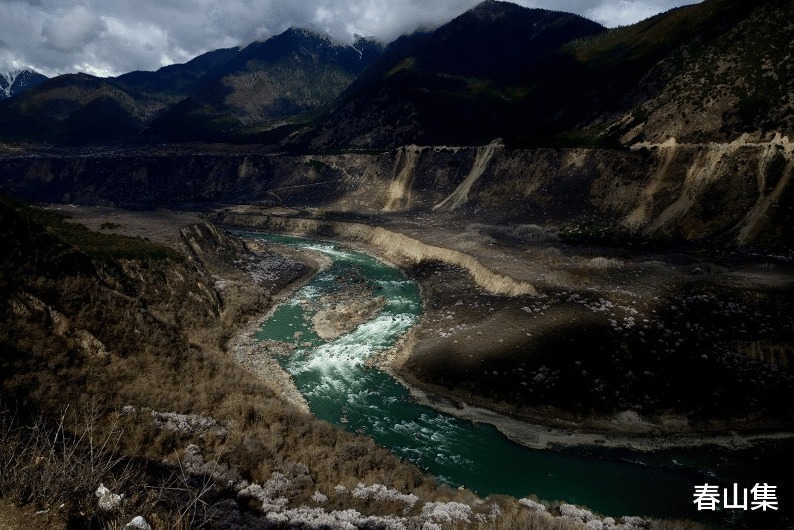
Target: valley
(513, 270)
(576, 316)
(510, 316)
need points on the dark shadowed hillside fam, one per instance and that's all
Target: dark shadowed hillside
(267, 84)
(220, 95)
(460, 84)
(175, 81)
(72, 109)
(535, 77)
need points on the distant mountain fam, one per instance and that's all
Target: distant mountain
(172, 83)
(14, 82)
(218, 96)
(275, 82)
(708, 72)
(72, 109)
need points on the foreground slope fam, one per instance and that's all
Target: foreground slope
(114, 372)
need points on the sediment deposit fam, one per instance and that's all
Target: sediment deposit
(392, 245)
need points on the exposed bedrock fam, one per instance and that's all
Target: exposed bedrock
(740, 190)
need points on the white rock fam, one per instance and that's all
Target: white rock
(532, 505)
(108, 501)
(138, 523)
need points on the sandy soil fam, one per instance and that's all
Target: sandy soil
(342, 310)
(257, 357)
(344, 317)
(159, 226)
(23, 518)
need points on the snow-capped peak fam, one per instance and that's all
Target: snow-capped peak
(7, 79)
(15, 81)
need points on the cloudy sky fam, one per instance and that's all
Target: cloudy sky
(109, 37)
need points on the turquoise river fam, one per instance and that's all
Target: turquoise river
(341, 389)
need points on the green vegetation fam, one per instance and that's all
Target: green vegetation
(97, 245)
(318, 165)
(650, 37)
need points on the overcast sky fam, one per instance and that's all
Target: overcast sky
(109, 37)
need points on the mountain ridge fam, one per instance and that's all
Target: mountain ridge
(266, 84)
(13, 82)
(133, 102)
(432, 86)
(576, 94)
(692, 104)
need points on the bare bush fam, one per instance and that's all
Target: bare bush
(46, 463)
(187, 495)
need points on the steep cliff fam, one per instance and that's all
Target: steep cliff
(737, 191)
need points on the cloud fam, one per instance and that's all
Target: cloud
(109, 37)
(625, 12)
(71, 29)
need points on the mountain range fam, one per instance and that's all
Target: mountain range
(529, 76)
(707, 71)
(679, 126)
(217, 95)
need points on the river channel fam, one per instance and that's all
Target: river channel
(342, 389)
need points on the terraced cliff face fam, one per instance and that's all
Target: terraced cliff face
(737, 190)
(694, 183)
